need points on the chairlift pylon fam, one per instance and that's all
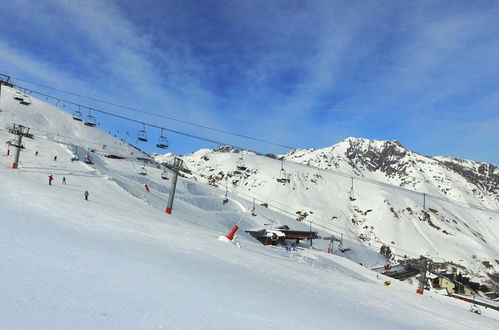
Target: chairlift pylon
(77, 115)
(226, 199)
(351, 194)
(253, 213)
(90, 120)
(142, 135)
(162, 141)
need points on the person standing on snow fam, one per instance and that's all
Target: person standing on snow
(55, 158)
(51, 178)
(86, 195)
(63, 180)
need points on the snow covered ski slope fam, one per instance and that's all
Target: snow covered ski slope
(117, 261)
(374, 191)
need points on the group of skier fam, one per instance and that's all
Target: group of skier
(51, 178)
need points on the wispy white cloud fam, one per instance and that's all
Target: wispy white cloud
(109, 55)
(302, 73)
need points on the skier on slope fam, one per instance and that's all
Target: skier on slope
(51, 178)
(86, 195)
(63, 180)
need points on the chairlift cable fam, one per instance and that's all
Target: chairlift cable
(154, 114)
(144, 123)
(406, 190)
(83, 143)
(371, 181)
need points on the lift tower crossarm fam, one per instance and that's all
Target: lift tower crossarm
(20, 131)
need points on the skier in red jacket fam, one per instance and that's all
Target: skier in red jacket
(51, 178)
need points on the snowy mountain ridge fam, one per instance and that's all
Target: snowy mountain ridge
(400, 166)
(118, 261)
(377, 191)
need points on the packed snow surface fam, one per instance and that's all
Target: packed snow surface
(118, 261)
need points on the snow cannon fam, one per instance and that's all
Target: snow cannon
(230, 236)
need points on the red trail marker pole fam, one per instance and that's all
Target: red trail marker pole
(230, 235)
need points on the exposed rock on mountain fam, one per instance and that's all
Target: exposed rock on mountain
(377, 191)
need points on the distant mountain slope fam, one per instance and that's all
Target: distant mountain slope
(459, 221)
(388, 161)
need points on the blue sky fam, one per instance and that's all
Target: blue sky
(299, 73)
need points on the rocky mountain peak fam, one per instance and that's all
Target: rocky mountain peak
(354, 185)
(482, 175)
(372, 155)
(226, 148)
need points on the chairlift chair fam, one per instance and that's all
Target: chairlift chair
(26, 100)
(162, 141)
(90, 120)
(240, 164)
(142, 135)
(77, 115)
(283, 176)
(351, 195)
(18, 96)
(164, 175)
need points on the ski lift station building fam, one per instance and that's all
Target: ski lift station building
(281, 234)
